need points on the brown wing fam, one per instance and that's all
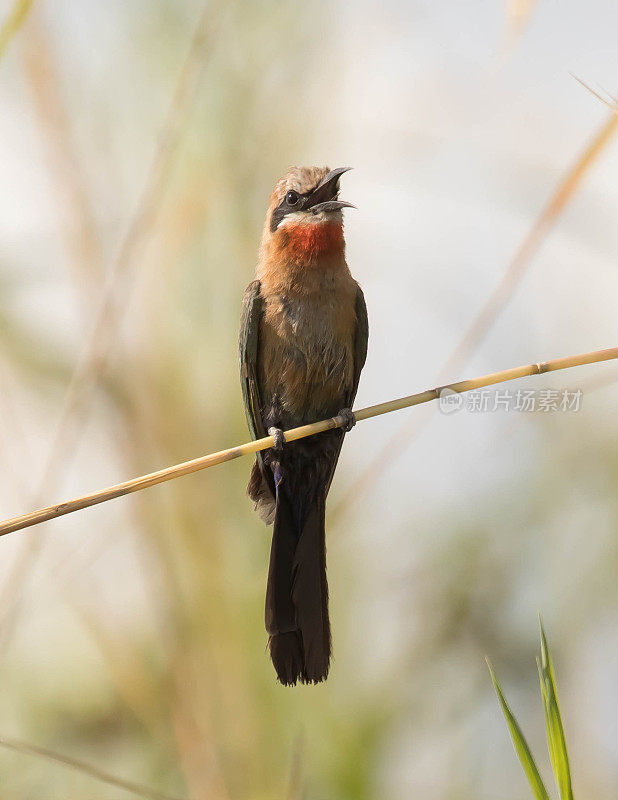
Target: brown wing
(248, 347)
(361, 338)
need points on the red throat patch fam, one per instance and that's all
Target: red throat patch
(309, 241)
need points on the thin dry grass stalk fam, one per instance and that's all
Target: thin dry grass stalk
(213, 459)
(72, 202)
(13, 22)
(610, 101)
(77, 223)
(397, 444)
(93, 360)
(17, 746)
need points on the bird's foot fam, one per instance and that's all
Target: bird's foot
(349, 420)
(278, 436)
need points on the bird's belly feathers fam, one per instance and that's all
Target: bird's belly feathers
(306, 355)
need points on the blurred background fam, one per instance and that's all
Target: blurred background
(139, 143)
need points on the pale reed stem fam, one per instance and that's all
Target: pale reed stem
(197, 464)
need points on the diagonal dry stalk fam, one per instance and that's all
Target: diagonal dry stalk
(73, 206)
(213, 459)
(86, 258)
(612, 102)
(95, 353)
(78, 226)
(18, 746)
(13, 22)
(92, 362)
(397, 444)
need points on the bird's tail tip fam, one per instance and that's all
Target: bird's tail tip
(286, 652)
(290, 663)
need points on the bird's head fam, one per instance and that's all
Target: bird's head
(304, 220)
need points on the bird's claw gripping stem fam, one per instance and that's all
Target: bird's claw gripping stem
(278, 436)
(349, 420)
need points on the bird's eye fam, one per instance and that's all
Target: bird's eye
(292, 198)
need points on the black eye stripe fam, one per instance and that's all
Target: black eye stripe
(285, 207)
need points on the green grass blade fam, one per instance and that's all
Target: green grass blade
(520, 744)
(13, 22)
(553, 722)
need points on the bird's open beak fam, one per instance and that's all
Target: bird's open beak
(324, 196)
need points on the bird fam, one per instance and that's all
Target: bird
(302, 346)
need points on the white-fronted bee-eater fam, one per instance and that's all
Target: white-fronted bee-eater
(303, 344)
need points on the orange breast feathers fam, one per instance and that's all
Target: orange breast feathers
(307, 241)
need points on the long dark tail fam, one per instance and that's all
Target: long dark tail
(297, 592)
